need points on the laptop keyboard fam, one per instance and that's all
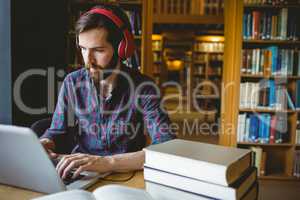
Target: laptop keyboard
(68, 180)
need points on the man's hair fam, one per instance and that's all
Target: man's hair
(90, 21)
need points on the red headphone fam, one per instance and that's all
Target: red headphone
(126, 46)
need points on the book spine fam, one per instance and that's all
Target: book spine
(283, 28)
(256, 19)
(298, 62)
(172, 162)
(297, 94)
(245, 26)
(267, 128)
(249, 26)
(246, 136)
(262, 171)
(273, 129)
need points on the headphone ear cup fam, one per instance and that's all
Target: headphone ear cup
(126, 47)
(122, 49)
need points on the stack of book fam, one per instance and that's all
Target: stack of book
(181, 169)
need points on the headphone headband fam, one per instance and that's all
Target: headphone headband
(117, 21)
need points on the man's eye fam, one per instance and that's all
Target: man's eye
(99, 50)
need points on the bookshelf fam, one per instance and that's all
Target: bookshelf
(158, 62)
(261, 65)
(207, 62)
(182, 25)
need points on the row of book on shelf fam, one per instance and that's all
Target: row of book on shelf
(271, 2)
(200, 7)
(266, 94)
(134, 17)
(204, 57)
(260, 161)
(181, 169)
(135, 20)
(270, 25)
(271, 61)
(199, 69)
(209, 47)
(211, 7)
(262, 128)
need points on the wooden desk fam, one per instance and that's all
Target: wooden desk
(13, 193)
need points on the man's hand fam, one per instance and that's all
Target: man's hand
(49, 147)
(83, 162)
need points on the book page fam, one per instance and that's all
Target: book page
(117, 192)
(69, 195)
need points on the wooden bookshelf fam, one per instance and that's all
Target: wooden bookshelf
(265, 110)
(263, 144)
(281, 177)
(263, 7)
(178, 15)
(252, 76)
(175, 19)
(275, 42)
(280, 156)
(255, 76)
(158, 59)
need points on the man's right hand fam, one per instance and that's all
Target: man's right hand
(49, 147)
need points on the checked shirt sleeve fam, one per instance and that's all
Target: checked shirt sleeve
(60, 116)
(156, 118)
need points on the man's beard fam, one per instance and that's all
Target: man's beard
(99, 73)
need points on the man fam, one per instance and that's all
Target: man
(111, 102)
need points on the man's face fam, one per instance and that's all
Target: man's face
(97, 52)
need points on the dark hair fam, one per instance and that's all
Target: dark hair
(90, 21)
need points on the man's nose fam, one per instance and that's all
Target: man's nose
(90, 57)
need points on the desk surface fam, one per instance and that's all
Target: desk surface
(13, 193)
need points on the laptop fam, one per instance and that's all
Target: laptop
(24, 163)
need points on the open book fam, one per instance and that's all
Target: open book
(108, 192)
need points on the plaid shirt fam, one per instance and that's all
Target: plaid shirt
(115, 124)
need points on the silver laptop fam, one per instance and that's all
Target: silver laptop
(25, 163)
